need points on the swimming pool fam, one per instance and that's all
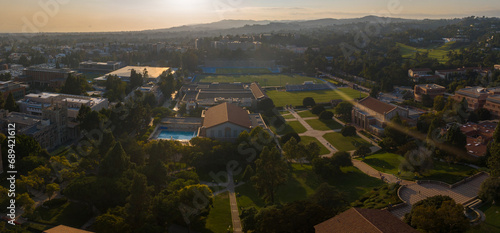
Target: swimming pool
(176, 135)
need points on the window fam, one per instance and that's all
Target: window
(235, 132)
(219, 134)
(212, 133)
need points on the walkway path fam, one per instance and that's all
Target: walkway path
(367, 169)
(235, 214)
(318, 134)
(413, 192)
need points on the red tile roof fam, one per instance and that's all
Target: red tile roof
(357, 220)
(226, 112)
(65, 229)
(376, 105)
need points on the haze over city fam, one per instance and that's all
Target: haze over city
(128, 15)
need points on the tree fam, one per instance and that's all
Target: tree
(483, 114)
(427, 100)
(284, 139)
(24, 200)
(111, 223)
(2, 101)
(348, 131)
(248, 173)
(290, 149)
(396, 131)
(10, 103)
(455, 138)
(490, 190)
(438, 103)
(271, 171)
(363, 151)
(308, 101)
(418, 160)
(437, 214)
(374, 92)
(266, 105)
(343, 111)
(311, 151)
(318, 109)
(330, 198)
(328, 167)
(50, 189)
(136, 79)
(115, 162)
(138, 203)
(75, 85)
(326, 115)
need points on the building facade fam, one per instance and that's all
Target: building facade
(372, 114)
(40, 77)
(432, 90)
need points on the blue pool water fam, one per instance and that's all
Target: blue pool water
(176, 135)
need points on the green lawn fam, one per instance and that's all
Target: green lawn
(72, 214)
(318, 124)
(263, 80)
(282, 98)
(289, 127)
(302, 182)
(389, 163)
(345, 143)
(288, 116)
(219, 217)
(306, 113)
(437, 52)
(242, 70)
(492, 222)
(307, 139)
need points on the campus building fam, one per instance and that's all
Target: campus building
(372, 114)
(476, 96)
(90, 66)
(42, 77)
(226, 121)
(153, 73)
(49, 129)
(478, 136)
(17, 89)
(493, 105)
(432, 90)
(207, 95)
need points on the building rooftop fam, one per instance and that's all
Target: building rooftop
(421, 70)
(356, 220)
(226, 112)
(153, 72)
(376, 105)
(431, 86)
(65, 229)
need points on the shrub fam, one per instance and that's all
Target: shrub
(288, 136)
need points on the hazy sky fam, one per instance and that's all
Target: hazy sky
(128, 15)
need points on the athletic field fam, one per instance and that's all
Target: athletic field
(242, 71)
(263, 80)
(282, 98)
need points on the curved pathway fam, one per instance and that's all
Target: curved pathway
(413, 192)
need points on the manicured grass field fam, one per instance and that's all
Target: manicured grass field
(437, 52)
(263, 80)
(345, 143)
(219, 217)
(282, 98)
(318, 124)
(242, 71)
(302, 182)
(306, 113)
(289, 127)
(306, 139)
(288, 116)
(492, 222)
(389, 163)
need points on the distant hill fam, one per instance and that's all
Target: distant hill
(269, 25)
